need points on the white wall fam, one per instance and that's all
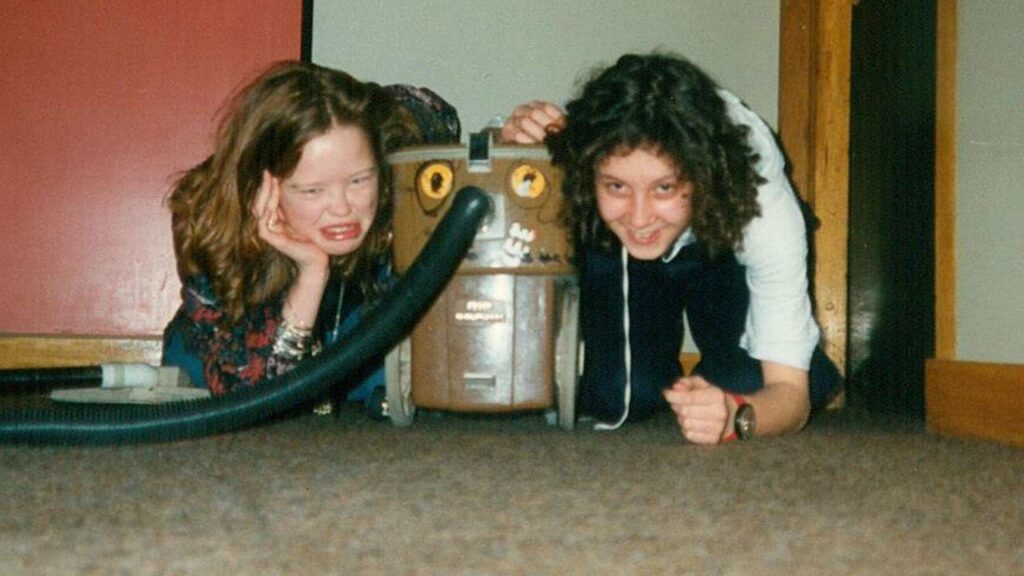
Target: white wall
(486, 56)
(990, 182)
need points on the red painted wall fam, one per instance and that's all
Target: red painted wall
(102, 103)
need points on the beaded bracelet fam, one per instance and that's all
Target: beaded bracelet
(293, 341)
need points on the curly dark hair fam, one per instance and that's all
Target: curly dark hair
(665, 103)
(265, 126)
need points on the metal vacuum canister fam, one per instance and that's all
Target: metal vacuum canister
(502, 335)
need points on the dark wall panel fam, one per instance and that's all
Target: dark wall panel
(892, 204)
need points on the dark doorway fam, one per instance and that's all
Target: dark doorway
(892, 205)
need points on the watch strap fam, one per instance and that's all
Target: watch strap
(739, 401)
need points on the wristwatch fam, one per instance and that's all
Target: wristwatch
(745, 421)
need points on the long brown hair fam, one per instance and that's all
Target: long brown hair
(265, 126)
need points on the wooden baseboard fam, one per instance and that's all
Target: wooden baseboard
(51, 351)
(976, 400)
(54, 351)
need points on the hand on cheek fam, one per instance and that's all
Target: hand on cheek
(273, 228)
(265, 208)
(700, 409)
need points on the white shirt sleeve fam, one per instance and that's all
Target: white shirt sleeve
(780, 327)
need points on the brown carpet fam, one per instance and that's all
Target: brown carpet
(471, 495)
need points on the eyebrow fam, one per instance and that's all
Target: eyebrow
(677, 176)
(372, 168)
(297, 184)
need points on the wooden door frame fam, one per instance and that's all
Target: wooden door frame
(814, 112)
(945, 179)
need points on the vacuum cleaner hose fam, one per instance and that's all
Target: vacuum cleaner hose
(381, 329)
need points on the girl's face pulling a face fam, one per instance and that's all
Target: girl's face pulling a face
(330, 199)
(644, 200)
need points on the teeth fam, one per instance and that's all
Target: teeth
(339, 231)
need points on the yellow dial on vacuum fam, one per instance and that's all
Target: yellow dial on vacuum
(528, 182)
(435, 180)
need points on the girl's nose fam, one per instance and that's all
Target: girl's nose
(640, 211)
(338, 203)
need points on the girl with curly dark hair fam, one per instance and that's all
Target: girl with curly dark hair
(677, 198)
(283, 233)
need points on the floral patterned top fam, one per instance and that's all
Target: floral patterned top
(214, 357)
(223, 359)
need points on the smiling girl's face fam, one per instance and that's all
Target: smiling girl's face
(644, 200)
(330, 199)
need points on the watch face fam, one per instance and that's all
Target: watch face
(745, 422)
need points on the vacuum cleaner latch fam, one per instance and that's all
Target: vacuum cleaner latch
(479, 152)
